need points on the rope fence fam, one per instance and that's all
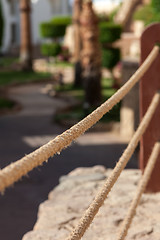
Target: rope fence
(89, 215)
(15, 171)
(141, 188)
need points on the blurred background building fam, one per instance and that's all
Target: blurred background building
(41, 11)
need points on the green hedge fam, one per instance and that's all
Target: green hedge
(110, 57)
(109, 32)
(64, 20)
(51, 49)
(55, 28)
(50, 30)
(1, 25)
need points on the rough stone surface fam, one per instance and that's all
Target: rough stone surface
(61, 212)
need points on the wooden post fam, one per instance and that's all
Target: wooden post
(149, 85)
(26, 48)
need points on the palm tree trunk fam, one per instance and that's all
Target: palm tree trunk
(1, 25)
(77, 41)
(91, 55)
(26, 46)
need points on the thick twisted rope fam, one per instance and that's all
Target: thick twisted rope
(15, 171)
(89, 215)
(141, 188)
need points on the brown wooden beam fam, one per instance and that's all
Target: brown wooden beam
(149, 85)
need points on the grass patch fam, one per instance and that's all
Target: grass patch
(14, 77)
(107, 83)
(78, 92)
(61, 64)
(77, 113)
(6, 103)
(71, 90)
(8, 61)
(67, 87)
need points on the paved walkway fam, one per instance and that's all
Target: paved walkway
(21, 133)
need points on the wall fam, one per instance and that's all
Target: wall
(10, 19)
(41, 11)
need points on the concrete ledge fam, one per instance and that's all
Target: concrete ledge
(61, 212)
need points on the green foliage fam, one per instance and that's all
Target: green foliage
(15, 77)
(1, 25)
(156, 6)
(8, 61)
(110, 57)
(51, 30)
(109, 32)
(147, 14)
(62, 64)
(46, 30)
(55, 28)
(51, 49)
(62, 20)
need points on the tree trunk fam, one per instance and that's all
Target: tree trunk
(26, 46)
(1, 25)
(77, 41)
(91, 55)
(125, 13)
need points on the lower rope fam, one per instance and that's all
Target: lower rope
(89, 215)
(15, 171)
(141, 188)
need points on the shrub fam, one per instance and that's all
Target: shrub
(55, 28)
(109, 32)
(110, 57)
(62, 20)
(1, 25)
(51, 49)
(46, 30)
(50, 30)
